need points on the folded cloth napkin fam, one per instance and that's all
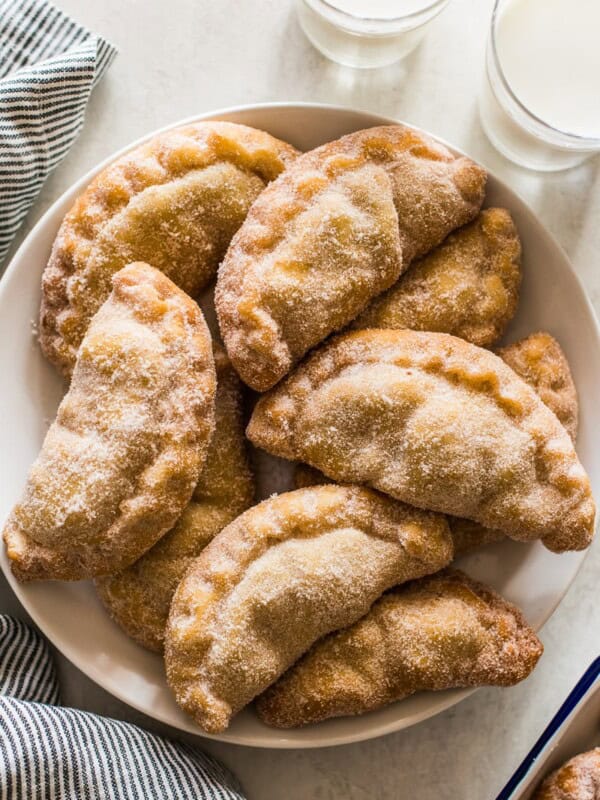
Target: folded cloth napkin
(60, 753)
(48, 67)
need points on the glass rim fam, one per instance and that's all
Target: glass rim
(593, 141)
(413, 15)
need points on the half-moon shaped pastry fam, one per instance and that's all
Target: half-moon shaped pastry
(468, 286)
(280, 576)
(442, 632)
(332, 232)
(578, 779)
(436, 422)
(175, 202)
(121, 460)
(540, 361)
(139, 597)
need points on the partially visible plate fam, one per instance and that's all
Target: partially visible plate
(70, 614)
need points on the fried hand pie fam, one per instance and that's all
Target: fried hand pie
(283, 574)
(436, 422)
(441, 632)
(468, 286)
(121, 460)
(174, 201)
(332, 232)
(139, 597)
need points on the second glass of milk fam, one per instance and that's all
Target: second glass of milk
(540, 104)
(366, 33)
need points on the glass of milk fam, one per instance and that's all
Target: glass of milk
(366, 33)
(540, 103)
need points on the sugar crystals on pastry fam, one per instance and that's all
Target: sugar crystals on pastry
(139, 597)
(121, 460)
(436, 422)
(468, 286)
(578, 779)
(174, 201)
(283, 574)
(441, 632)
(333, 231)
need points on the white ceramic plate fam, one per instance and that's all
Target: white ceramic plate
(69, 613)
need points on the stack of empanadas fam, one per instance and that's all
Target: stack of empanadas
(415, 442)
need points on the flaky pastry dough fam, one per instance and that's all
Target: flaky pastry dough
(436, 422)
(332, 232)
(283, 574)
(121, 460)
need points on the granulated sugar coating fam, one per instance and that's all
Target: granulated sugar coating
(436, 422)
(468, 286)
(139, 598)
(437, 633)
(540, 361)
(123, 456)
(288, 571)
(578, 779)
(175, 202)
(333, 231)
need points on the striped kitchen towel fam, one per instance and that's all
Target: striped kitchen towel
(48, 67)
(60, 753)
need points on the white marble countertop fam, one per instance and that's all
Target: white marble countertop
(183, 57)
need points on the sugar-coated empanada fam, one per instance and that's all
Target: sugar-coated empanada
(441, 632)
(175, 202)
(332, 232)
(121, 460)
(468, 286)
(139, 597)
(578, 779)
(280, 576)
(436, 422)
(540, 361)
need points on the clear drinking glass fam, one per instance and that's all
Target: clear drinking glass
(366, 33)
(511, 125)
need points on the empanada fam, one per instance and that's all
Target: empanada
(578, 779)
(540, 361)
(139, 597)
(468, 286)
(175, 202)
(436, 422)
(283, 574)
(332, 232)
(442, 632)
(121, 460)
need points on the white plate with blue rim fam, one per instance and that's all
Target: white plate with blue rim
(70, 614)
(574, 729)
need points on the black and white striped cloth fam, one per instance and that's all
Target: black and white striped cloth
(48, 67)
(48, 752)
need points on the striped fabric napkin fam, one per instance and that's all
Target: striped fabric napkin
(53, 753)
(48, 67)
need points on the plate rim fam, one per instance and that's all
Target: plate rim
(280, 739)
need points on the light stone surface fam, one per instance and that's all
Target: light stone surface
(183, 57)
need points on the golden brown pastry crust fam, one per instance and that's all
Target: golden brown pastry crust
(332, 232)
(468, 286)
(540, 361)
(123, 456)
(283, 574)
(175, 202)
(441, 632)
(578, 779)
(139, 597)
(436, 422)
